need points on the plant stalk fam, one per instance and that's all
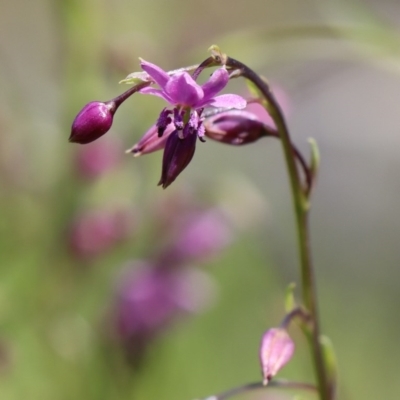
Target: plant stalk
(301, 206)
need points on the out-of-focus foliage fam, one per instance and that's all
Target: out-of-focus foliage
(338, 64)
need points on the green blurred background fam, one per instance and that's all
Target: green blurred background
(343, 88)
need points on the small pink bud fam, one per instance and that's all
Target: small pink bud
(276, 350)
(93, 121)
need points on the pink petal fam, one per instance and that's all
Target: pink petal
(215, 84)
(228, 101)
(156, 92)
(151, 141)
(183, 90)
(157, 74)
(276, 350)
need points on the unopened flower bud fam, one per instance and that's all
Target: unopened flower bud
(276, 350)
(236, 127)
(93, 121)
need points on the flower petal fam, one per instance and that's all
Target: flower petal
(183, 90)
(156, 92)
(151, 141)
(177, 155)
(218, 80)
(157, 74)
(228, 101)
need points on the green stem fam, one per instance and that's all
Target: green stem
(301, 206)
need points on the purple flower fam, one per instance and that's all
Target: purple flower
(276, 350)
(150, 297)
(93, 121)
(183, 123)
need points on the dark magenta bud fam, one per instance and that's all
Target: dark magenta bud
(177, 155)
(236, 127)
(93, 121)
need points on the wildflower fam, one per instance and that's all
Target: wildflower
(276, 350)
(93, 121)
(184, 122)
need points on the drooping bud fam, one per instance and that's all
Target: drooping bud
(276, 350)
(93, 121)
(236, 127)
(177, 155)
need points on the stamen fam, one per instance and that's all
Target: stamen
(163, 121)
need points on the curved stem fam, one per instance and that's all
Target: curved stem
(278, 383)
(128, 93)
(301, 206)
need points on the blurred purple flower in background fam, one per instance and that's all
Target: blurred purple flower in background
(202, 235)
(98, 158)
(150, 297)
(95, 232)
(154, 293)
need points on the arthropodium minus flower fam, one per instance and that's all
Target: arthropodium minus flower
(188, 99)
(276, 350)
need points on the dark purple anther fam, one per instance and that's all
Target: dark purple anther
(163, 121)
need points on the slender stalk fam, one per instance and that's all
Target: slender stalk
(123, 96)
(301, 206)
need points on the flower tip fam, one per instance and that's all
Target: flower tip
(136, 151)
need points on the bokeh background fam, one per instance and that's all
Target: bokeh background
(68, 227)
